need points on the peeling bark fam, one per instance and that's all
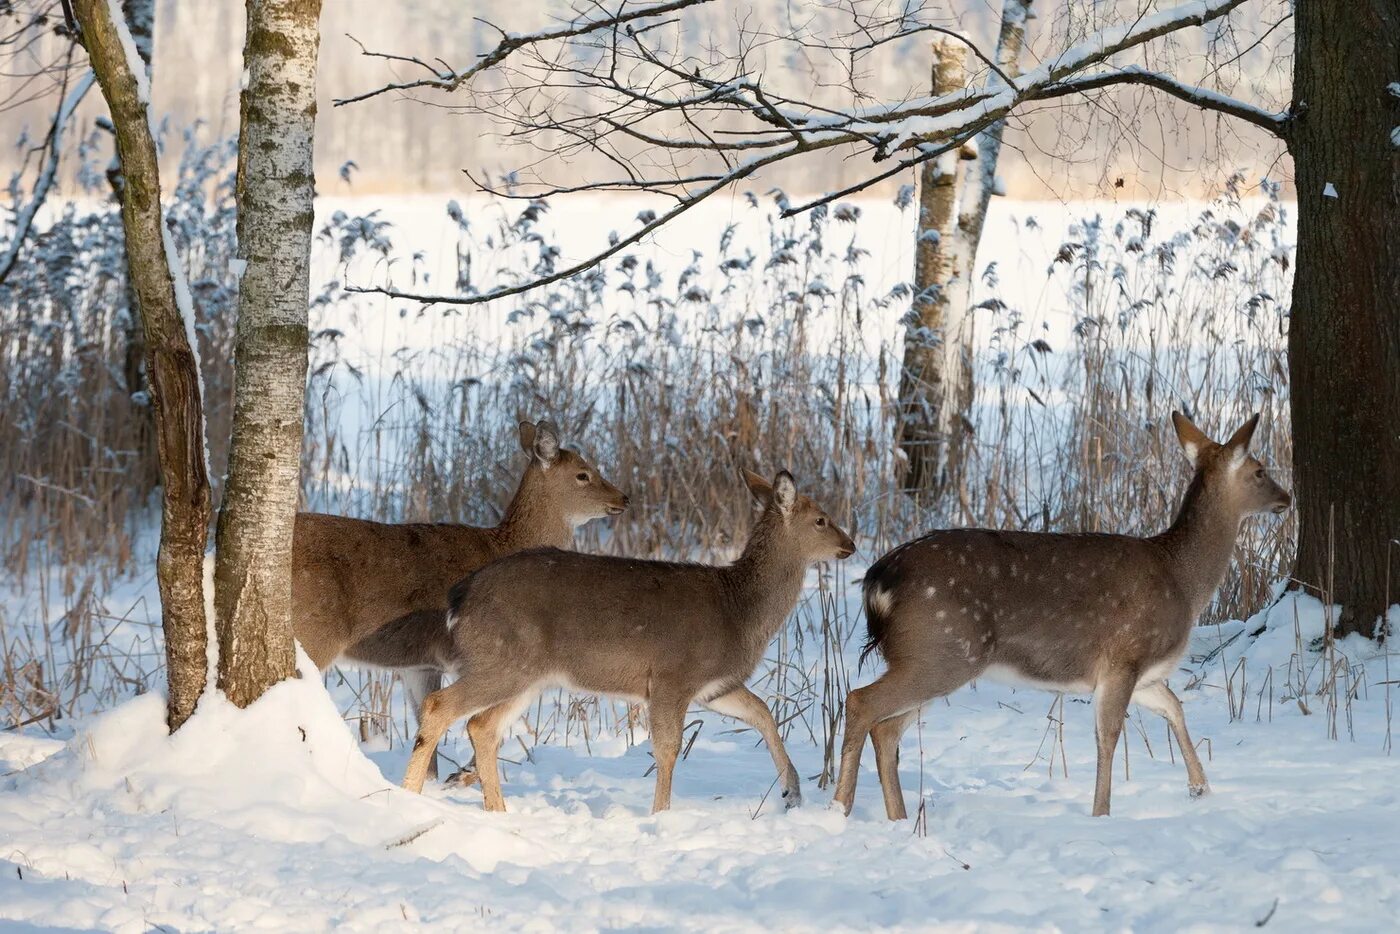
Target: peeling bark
(170, 363)
(925, 390)
(252, 578)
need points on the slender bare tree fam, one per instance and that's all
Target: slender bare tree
(928, 396)
(276, 185)
(171, 365)
(688, 126)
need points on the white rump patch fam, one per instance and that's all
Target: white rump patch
(880, 601)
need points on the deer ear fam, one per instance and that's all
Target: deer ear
(757, 486)
(527, 437)
(1193, 440)
(1238, 445)
(784, 491)
(546, 443)
(1241, 438)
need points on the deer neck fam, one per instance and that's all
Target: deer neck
(766, 581)
(1201, 542)
(532, 520)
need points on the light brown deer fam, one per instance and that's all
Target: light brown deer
(376, 593)
(1107, 614)
(657, 631)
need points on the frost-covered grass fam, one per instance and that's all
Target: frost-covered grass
(739, 339)
(277, 818)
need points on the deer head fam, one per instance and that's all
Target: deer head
(1228, 473)
(797, 521)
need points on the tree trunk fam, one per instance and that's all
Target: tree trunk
(1344, 335)
(980, 180)
(141, 23)
(926, 388)
(171, 363)
(253, 573)
(979, 183)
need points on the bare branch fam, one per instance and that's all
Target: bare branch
(24, 220)
(1275, 123)
(597, 259)
(452, 80)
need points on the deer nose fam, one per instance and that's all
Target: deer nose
(626, 501)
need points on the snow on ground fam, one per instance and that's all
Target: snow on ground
(276, 819)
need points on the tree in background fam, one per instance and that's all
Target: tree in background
(689, 126)
(936, 388)
(275, 188)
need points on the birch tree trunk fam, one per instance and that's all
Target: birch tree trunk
(1344, 331)
(253, 572)
(978, 185)
(924, 396)
(171, 364)
(971, 195)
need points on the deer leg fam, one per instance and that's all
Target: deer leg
(889, 696)
(885, 736)
(1110, 707)
(461, 698)
(418, 683)
(1159, 698)
(667, 716)
(748, 707)
(485, 732)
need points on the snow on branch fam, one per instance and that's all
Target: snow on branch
(1276, 123)
(450, 79)
(690, 126)
(53, 150)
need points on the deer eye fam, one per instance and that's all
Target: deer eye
(821, 522)
(1259, 474)
(582, 478)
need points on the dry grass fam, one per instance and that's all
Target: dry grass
(670, 379)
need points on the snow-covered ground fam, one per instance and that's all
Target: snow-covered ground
(278, 819)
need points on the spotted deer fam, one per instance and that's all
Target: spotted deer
(376, 593)
(665, 633)
(1103, 614)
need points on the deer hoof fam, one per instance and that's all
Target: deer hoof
(792, 798)
(1199, 791)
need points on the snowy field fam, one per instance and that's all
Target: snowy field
(282, 819)
(278, 819)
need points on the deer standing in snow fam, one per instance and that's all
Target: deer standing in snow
(662, 632)
(1107, 614)
(376, 593)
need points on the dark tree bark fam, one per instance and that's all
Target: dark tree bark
(141, 22)
(1344, 337)
(931, 374)
(171, 365)
(253, 572)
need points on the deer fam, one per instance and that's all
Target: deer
(659, 632)
(376, 593)
(1107, 615)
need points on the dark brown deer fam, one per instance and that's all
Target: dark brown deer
(657, 631)
(376, 593)
(1107, 614)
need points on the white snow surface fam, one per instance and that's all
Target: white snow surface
(275, 818)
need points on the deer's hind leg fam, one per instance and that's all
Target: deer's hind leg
(750, 708)
(485, 732)
(1111, 696)
(667, 714)
(463, 697)
(418, 683)
(885, 736)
